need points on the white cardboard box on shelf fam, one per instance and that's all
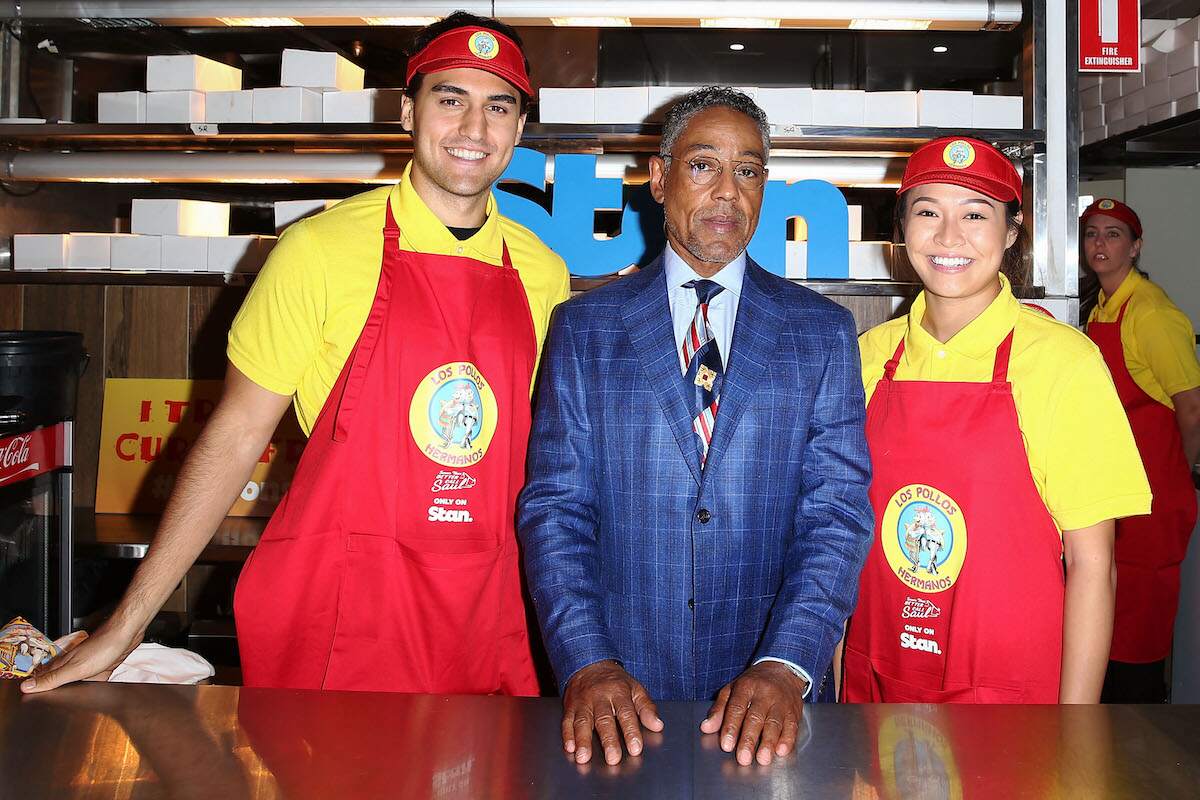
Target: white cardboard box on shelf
(160, 217)
(1185, 84)
(870, 260)
(660, 98)
(837, 108)
(118, 107)
(315, 69)
(567, 106)
(795, 260)
(941, 108)
(229, 106)
(1184, 58)
(364, 105)
(784, 106)
(622, 105)
(289, 211)
(135, 251)
(1092, 117)
(1160, 113)
(890, 110)
(1157, 93)
(1090, 97)
(1110, 88)
(185, 253)
(90, 251)
(41, 251)
(998, 111)
(855, 215)
(240, 254)
(1185, 104)
(287, 104)
(1135, 102)
(175, 107)
(190, 73)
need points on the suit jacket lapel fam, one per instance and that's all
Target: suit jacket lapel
(647, 318)
(756, 331)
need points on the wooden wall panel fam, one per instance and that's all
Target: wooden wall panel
(11, 312)
(77, 308)
(211, 310)
(146, 332)
(871, 310)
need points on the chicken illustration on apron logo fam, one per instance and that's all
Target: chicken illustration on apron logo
(923, 536)
(460, 411)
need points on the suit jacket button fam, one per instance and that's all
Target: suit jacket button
(691, 602)
(703, 516)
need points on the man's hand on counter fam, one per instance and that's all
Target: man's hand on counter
(93, 659)
(765, 702)
(605, 698)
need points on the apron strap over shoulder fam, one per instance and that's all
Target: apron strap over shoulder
(889, 369)
(1000, 368)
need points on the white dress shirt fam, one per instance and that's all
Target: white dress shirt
(722, 313)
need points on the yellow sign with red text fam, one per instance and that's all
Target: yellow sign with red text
(149, 427)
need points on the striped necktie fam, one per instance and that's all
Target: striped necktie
(701, 364)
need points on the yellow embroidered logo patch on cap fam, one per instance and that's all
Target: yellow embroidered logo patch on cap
(959, 154)
(484, 45)
(1106, 205)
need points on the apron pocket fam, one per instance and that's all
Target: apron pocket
(415, 621)
(890, 689)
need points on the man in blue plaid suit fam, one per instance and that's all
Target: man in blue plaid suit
(696, 512)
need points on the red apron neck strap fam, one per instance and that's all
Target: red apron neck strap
(1121, 313)
(390, 229)
(1000, 369)
(889, 369)
(504, 257)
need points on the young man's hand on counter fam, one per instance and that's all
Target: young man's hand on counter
(605, 698)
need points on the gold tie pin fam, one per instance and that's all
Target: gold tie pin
(705, 377)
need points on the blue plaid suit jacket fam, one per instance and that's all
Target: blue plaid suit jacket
(618, 562)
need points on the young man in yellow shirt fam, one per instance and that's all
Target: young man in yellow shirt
(404, 324)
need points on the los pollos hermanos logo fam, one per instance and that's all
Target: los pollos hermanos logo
(453, 415)
(924, 538)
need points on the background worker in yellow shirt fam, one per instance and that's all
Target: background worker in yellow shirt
(999, 454)
(1150, 348)
(405, 325)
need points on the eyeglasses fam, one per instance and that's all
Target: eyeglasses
(703, 170)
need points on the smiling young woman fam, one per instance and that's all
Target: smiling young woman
(1150, 349)
(1000, 454)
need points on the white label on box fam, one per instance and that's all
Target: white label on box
(136, 252)
(120, 107)
(179, 217)
(40, 251)
(315, 69)
(190, 73)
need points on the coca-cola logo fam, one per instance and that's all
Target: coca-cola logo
(15, 452)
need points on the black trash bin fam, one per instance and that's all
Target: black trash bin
(39, 380)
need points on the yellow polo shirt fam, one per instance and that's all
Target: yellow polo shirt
(1158, 339)
(307, 307)
(1084, 461)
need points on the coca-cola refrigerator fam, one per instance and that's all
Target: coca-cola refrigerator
(35, 526)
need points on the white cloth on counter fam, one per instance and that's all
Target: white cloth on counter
(154, 663)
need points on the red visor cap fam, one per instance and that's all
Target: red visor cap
(1115, 209)
(474, 48)
(963, 162)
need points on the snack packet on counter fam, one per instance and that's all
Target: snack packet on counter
(23, 648)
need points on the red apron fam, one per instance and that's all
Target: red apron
(1149, 549)
(391, 564)
(961, 596)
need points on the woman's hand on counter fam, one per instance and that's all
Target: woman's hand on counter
(605, 698)
(765, 702)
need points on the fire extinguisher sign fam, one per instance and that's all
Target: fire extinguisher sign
(1110, 35)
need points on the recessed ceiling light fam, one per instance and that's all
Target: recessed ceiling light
(260, 22)
(737, 46)
(738, 22)
(591, 22)
(941, 48)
